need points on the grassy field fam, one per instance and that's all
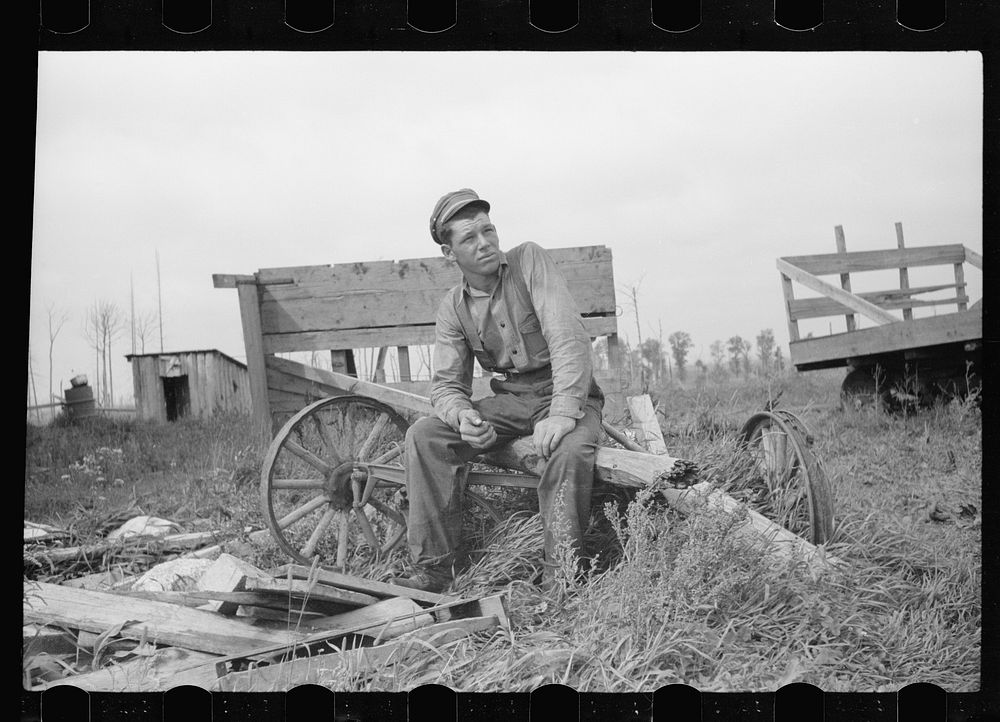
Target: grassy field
(671, 598)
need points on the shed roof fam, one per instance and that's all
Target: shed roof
(130, 356)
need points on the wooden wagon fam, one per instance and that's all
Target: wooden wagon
(901, 356)
(333, 483)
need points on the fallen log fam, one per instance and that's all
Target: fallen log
(617, 466)
(639, 470)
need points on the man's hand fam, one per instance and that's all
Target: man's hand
(549, 432)
(475, 431)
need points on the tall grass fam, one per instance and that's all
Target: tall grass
(670, 597)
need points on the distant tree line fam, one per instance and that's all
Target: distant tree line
(653, 363)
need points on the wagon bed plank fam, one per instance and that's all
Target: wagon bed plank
(836, 349)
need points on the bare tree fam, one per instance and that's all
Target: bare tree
(159, 300)
(104, 323)
(57, 319)
(633, 296)
(113, 321)
(145, 329)
(92, 333)
(32, 391)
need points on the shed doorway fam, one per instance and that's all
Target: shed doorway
(177, 396)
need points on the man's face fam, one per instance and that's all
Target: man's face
(472, 242)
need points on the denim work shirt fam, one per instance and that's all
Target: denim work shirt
(565, 342)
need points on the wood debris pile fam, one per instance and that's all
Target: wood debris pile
(235, 628)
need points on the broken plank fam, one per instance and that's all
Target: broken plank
(644, 423)
(160, 671)
(312, 670)
(157, 622)
(285, 615)
(227, 574)
(380, 618)
(216, 668)
(316, 591)
(201, 599)
(360, 584)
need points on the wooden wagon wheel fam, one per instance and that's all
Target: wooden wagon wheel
(314, 474)
(795, 490)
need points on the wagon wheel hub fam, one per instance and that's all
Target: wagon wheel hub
(338, 486)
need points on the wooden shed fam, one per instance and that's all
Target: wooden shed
(173, 385)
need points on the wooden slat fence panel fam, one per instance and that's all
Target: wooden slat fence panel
(390, 335)
(834, 263)
(892, 299)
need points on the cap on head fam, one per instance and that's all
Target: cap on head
(448, 205)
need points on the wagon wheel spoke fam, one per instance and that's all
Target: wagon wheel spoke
(795, 490)
(305, 510)
(308, 457)
(366, 528)
(377, 429)
(331, 447)
(394, 453)
(298, 483)
(312, 473)
(324, 523)
(343, 535)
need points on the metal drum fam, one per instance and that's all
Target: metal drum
(80, 402)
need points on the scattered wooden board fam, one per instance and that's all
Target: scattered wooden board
(161, 671)
(158, 622)
(645, 424)
(314, 670)
(227, 574)
(297, 588)
(380, 617)
(201, 599)
(285, 616)
(359, 584)
(460, 608)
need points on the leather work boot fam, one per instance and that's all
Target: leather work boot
(426, 579)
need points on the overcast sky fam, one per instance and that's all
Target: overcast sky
(697, 169)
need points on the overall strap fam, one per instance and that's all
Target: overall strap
(471, 334)
(517, 278)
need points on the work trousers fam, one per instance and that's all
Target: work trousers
(436, 470)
